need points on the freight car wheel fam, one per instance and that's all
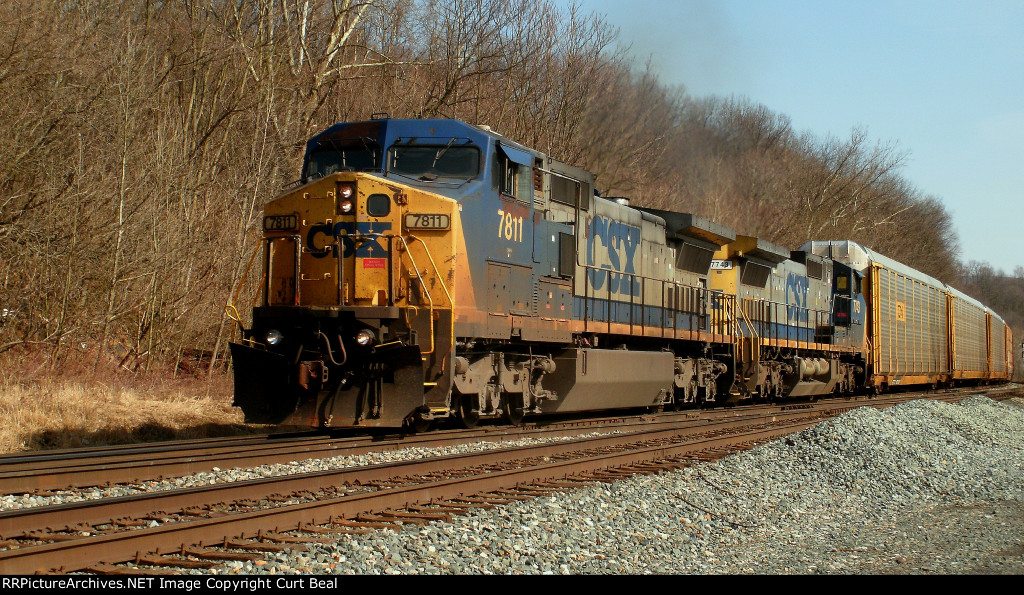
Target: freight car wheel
(468, 416)
(512, 408)
(676, 404)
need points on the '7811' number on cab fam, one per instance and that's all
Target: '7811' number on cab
(510, 227)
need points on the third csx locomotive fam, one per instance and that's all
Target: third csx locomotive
(430, 269)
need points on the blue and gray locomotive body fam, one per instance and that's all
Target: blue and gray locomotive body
(430, 269)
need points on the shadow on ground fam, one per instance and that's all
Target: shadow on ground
(150, 432)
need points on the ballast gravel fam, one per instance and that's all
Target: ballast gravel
(922, 487)
(223, 476)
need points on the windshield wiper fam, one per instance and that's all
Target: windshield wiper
(442, 151)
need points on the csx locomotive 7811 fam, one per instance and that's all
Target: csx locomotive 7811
(430, 269)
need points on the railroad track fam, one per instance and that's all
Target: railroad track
(43, 473)
(200, 528)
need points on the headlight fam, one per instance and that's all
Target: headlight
(274, 337)
(346, 198)
(365, 337)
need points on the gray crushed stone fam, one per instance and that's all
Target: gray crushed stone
(923, 487)
(223, 476)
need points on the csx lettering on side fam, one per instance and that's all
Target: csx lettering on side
(614, 235)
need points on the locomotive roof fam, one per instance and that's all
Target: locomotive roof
(687, 225)
(411, 130)
(759, 250)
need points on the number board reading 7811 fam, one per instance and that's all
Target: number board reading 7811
(427, 221)
(280, 222)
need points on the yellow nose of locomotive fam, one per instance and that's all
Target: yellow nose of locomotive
(355, 240)
(355, 323)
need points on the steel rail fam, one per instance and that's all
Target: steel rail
(77, 468)
(112, 510)
(75, 553)
(102, 466)
(119, 547)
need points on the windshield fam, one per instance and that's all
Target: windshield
(347, 154)
(429, 162)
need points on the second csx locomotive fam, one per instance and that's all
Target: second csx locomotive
(430, 269)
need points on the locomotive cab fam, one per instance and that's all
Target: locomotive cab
(848, 306)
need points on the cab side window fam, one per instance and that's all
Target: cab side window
(513, 172)
(509, 176)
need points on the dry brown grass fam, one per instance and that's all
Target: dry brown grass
(43, 409)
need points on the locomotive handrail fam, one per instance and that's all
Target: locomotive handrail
(792, 323)
(232, 312)
(702, 293)
(430, 300)
(230, 306)
(416, 270)
(755, 355)
(440, 281)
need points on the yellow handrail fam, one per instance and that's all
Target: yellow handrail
(430, 299)
(230, 310)
(750, 325)
(440, 280)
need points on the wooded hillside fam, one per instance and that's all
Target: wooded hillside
(139, 141)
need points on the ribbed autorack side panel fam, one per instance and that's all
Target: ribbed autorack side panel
(912, 323)
(997, 344)
(971, 336)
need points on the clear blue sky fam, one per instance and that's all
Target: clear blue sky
(944, 79)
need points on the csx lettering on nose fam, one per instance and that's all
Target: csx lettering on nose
(368, 246)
